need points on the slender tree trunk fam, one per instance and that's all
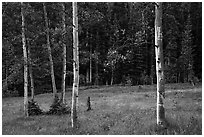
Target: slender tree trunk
(96, 61)
(112, 73)
(87, 72)
(64, 54)
(6, 71)
(31, 74)
(106, 82)
(75, 67)
(50, 52)
(25, 62)
(159, 64)
(90, 65)
(87, 76)
(152, 63)
(96, 82)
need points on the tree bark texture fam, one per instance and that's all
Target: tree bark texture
(159, 63)
(50, 52)
(64, 54)
(31, 74)
(75, 67)
(25, 62)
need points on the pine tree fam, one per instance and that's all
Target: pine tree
(187, 51)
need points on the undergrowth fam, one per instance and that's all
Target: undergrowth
(33, 108)
(172, 127)
(57, 108)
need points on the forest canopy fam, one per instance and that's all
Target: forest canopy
(116, 43)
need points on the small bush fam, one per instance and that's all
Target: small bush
(33, 108)
(58, 107)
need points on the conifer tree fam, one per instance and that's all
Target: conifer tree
(187, 51)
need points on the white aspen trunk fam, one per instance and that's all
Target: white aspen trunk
(75, 67)
(50, 52)
(25, 62)
(31, 74)
(159, 64)
(64, 55)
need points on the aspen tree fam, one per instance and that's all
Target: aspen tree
(25, 62)
(31, 74)
(50, 52)
(64, 54)
(75, 67)
(159, 63)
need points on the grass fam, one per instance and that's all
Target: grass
(115, 110)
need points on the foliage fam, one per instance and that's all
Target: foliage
(33, 108)
(187, 51)
(121, 35)
(58, 107)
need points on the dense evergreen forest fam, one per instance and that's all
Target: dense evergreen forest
(116, 44)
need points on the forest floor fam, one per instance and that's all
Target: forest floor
(115, 110)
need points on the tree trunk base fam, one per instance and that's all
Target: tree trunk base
(88, 104)
(161, 115)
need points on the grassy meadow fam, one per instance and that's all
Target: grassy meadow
(116, 110)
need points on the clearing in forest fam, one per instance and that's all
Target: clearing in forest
(115, 110)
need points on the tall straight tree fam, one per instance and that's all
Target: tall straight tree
(49, 52)
(159, 63)
(90, 64)
(25, 62)
(31, 73)
(96, 60)
(187, 51)
(64, 53)
(87, 71)
(75, 66)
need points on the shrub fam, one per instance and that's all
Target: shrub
(58, 107)
(33, 108)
